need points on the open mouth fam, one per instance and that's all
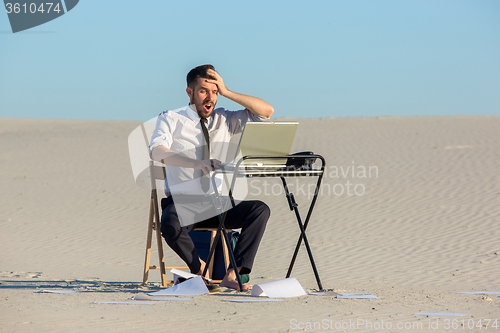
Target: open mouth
(208, 107)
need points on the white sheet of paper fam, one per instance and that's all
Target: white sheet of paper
(134, 303)
(178, 273)
(254, 300)
(192, 287)
(280, 288)
(60, 291)
(142, 297)
(345, 295)
(440, 314)
(479, 292)
(326, 293)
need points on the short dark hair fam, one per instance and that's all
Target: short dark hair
(200, 71)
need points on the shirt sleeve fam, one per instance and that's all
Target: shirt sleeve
(162, 134)
(236, 120)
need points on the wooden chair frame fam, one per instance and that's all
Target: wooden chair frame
(158, 173)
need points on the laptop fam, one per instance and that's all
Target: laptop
(264, 139)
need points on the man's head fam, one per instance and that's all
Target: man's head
(201, 93)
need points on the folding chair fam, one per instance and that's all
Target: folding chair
(158, 173)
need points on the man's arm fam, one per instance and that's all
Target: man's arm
(254, 104)
(169, 157)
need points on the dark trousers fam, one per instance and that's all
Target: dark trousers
(250, 216)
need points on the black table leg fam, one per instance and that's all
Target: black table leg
(294, 206)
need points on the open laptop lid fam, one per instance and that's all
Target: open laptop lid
(267, 139)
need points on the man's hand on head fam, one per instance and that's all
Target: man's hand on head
(253, 104)
(221, 87)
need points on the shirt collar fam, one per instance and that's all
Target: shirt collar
(192, 114)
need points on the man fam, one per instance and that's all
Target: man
(180, 141)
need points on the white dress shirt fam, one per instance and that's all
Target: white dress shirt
(181, 132)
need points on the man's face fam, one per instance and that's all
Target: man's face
(204, 96)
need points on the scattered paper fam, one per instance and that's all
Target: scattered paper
(344, 295)
(440, 314)
(135, 303)
(192, 287)
(178, 273)
(187, 275)
(280, 288)
(60, 291)
(254, 300)
(479, 292)
(325, 293)
(142, 297)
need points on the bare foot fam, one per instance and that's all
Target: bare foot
(202, 268)
(233, 285)
(230, 281)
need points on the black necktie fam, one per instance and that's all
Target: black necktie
(205, 181)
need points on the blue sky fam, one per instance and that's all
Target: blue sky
(122, 59)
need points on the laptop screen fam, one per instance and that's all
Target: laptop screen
(267, 139)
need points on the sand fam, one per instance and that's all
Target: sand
(417, 222)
